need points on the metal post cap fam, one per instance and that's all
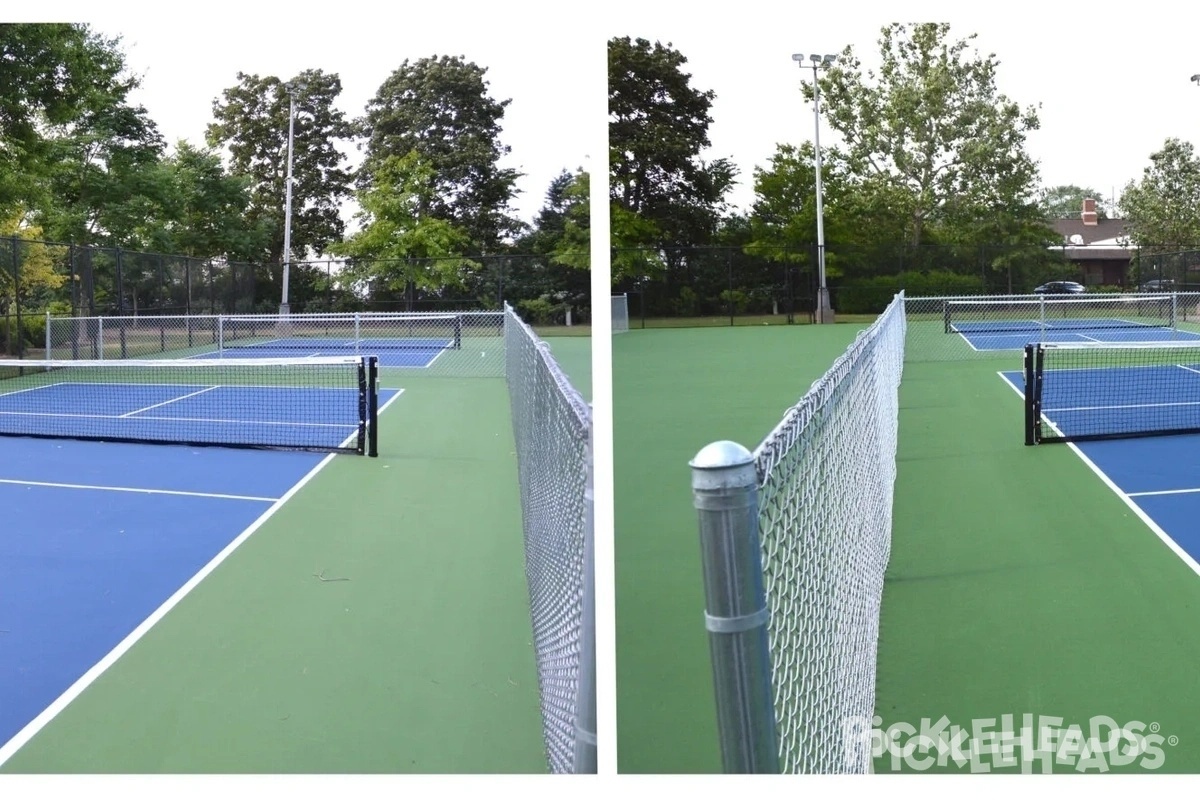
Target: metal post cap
(723, 465)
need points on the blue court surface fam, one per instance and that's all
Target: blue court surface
(100, 539)
(1014, 335)
(417, 353)
(1158, 477)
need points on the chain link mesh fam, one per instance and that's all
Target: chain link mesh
(551, 425)
(972, 327)
(620, 313)
(460, 344)
(826, 476)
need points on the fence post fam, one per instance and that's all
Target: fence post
(725, 495)
(585, 695)
(16, 271)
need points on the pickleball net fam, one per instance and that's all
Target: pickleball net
(101, 338)
(315, 404)
(1021, 314)
(1086, 392)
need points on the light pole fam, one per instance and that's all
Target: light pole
(824, 310)
(291, 88)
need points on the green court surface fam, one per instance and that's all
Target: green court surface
(675, 391)
(421, 662)
(1018, 582)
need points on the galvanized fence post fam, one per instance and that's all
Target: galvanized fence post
(585, 702)
(725, 495)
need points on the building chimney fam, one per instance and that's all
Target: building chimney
(1089, 212)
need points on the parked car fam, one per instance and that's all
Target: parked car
(1060, 287)
(1157, 286)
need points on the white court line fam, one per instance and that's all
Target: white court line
(965, 339)
(1125, 497)
(22, 737)
(135, 490)
(172, 400)
(181, 419)
(30, 389)
(1164, 491)
(1189, 369)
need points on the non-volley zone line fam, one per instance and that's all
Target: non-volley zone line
(66, 518)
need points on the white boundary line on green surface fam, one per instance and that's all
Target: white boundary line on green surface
(22, 737)
(1184, 556)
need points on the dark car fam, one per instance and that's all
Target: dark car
(1060, 287)
(1157, 286)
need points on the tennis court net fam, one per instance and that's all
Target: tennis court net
(1019, 315)
(102, 338)
(315, 404)
(1082, 392)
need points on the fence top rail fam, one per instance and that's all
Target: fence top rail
(1085, 297)
(294, 317)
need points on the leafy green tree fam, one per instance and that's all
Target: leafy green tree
(932, 122)
(863, 215)
(251, 122)
(208, 207)
(1163, 208)
(50, 75)
(36, 274)
(658, 127)
(439, 107)
(400, 243)
(1066, 202)
(105, 175)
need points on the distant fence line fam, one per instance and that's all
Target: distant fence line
(77, 280)
(741, 285)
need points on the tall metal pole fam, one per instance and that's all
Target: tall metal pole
(824, 308)
(287, 221)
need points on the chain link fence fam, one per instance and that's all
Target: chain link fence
(800, 550)
(552, 427)
(695, 286)
(39, 277)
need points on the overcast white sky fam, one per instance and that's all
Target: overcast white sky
(1113, 80)
(535, 54)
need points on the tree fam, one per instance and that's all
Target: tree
(658, 127)
(400, 244)
(1163, 208)
(932, 122)
(1066, 202)
(208, 207)
(251, 121)
(863, 215)
(439, 107)
(50, 75)
(105, 176)
(35, 273)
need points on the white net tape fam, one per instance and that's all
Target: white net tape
(551, 425)
(826, 476)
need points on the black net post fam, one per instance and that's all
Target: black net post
(372, 407)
